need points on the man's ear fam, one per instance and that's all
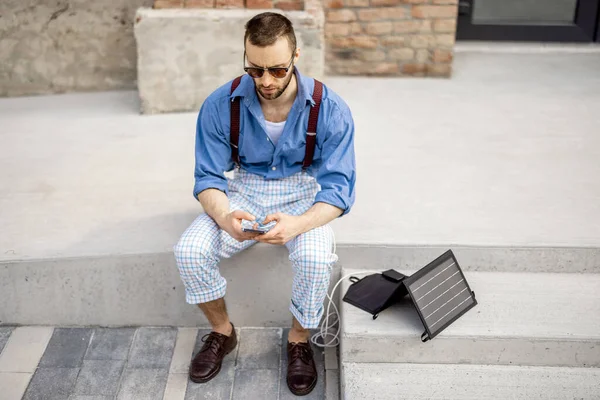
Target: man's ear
(297, 55)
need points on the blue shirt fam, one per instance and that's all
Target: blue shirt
(333, 165)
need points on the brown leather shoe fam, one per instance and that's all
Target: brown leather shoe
(301, 372)
(207, 363)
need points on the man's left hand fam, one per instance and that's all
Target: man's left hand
(286, 229)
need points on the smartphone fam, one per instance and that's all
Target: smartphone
(257, 230)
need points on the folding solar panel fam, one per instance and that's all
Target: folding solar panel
(440, 293)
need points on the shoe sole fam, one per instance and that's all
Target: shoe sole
(211, 376)
(303, 392)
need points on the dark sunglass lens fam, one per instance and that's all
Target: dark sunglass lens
(255, 72)
(278, 72)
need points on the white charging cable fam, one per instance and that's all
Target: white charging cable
(331, 339)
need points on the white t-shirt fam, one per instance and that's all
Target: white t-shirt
(274, 130)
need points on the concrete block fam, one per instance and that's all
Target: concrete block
(184, 347)
(259, 349)
(544, 319)
(218, 388)
(99, 377)
(419, 382)
(256, 383)
(24, 349)
(183, 55)
(14, 384)
(143, 384)
(51, 384)
(4, 335)
(152, 348)
(110, 344)
(66, 348)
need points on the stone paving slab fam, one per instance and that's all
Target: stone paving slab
(4, 335)
(143, 363)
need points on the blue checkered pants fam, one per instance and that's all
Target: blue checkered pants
(204, 244)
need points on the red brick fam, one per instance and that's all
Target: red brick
(341, 16)
(385, 69)
(356, 3)
(422, 41)
(259, 4)
(168, 3)
(412, 26)
(375, 14)
(402, 54)
(334, 4)
(356, 28)
(422, 56)
(378, 28)
(393, 41)
(445, 40)
(434, 11)
(290, 5)
(380, 3)
(445, 1)
(444, 25)
(414, 68)
(337, 29)
(230, 3)
(200, 4)
(442, 56)
(444, 70)
(361, 42)
(370, 55)
(415, 1)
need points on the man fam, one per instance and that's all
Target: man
(270, 187)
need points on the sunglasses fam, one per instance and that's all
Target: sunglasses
(276, 72)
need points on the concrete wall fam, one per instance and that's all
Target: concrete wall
(51, 46)
(183, 54)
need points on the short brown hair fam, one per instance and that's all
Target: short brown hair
(264, 30)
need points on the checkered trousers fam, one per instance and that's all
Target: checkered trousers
(204, 244)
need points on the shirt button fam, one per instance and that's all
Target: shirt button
(274, 168)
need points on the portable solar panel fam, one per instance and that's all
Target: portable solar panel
(440, 293)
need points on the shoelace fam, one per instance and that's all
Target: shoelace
(211, 342)
(300, 352)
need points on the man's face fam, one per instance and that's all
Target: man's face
(277, 55)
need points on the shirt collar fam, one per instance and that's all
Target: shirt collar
(247, 90)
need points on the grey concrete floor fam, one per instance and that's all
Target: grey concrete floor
(142, 363)
(505, 153)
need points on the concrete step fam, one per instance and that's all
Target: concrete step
(544, 319)
(475, 382)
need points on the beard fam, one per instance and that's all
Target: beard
(278, 91)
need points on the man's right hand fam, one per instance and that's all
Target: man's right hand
(232, 224)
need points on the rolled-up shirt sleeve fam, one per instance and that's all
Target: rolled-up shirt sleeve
(337, 173)
(213, 153)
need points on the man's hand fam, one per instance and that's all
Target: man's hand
(287, 228)
(232, 224)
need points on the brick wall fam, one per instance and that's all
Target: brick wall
(251, 4)
(390, 37)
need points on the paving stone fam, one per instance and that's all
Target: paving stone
(176, 387)
(5, 332)
(319, 391)
(184, 348)
(80, 397)
(51, 384)
(13, 384)
(259, 349)
(99, 377)
(152, 348)
(332, 384)
(110, 344)
(66, 348)
(219, 388)
(256, 384)
(24, 349)
(143, 384)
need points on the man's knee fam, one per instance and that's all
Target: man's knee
(194, 248)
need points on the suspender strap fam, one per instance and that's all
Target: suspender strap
(313, 118)
(234, 136)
